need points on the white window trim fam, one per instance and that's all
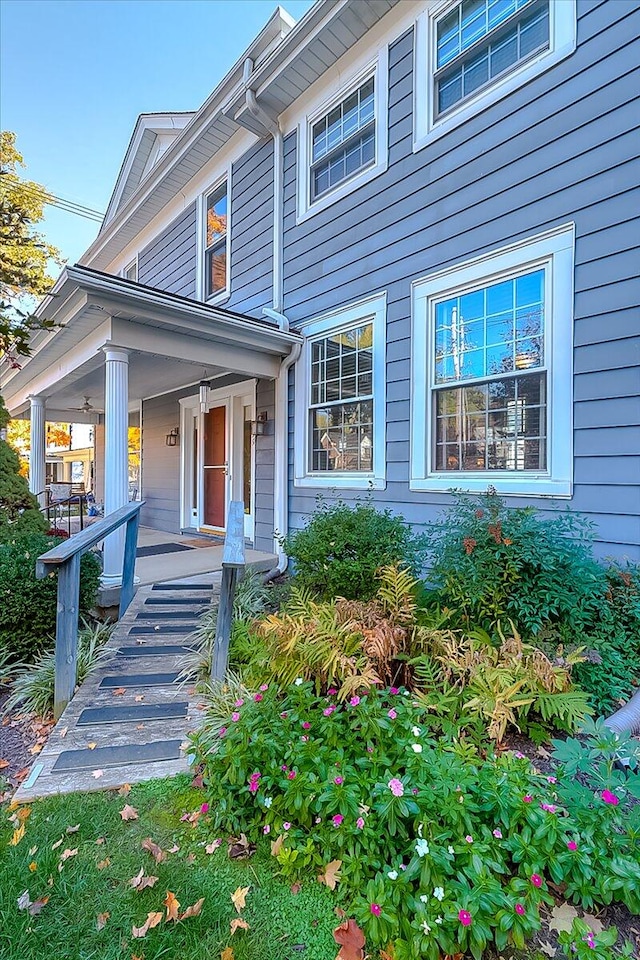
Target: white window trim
(127, 267)
(372, 309)
(201, 225)
(554, 250)
(379, 70)
(426, 127)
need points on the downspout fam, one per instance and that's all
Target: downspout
(627, 718)
(281, 457)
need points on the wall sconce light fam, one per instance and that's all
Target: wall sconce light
(258, 426)
(204, 395)
(171, 439)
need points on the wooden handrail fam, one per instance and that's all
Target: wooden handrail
(65, 559)
(233, 561)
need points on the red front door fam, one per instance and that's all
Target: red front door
(215, 466)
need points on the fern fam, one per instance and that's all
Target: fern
(569, 707)
(396, 593)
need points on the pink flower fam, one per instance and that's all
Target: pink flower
(369, 749)
(306, 725)
(393, 691)
(235, 717)
(497, 833)
(331, 692)
(360, 823)
(258, 697)
(318, 820)
(396, 786)
(222, 732)
(376, 909)
(266, 829)
(204, 808)
(519, 756)
(291, 775)
(337, 820)
(611, 798)
(520, 910)
(527, 798)
(465, 918)
(572, 845)
(284, 768)
(239, 703)
(536, 879)
(284, 715)
(552, 779)
(328, 711)
(338, 781)
(264, 686)
(469, 838)
(549, 807)
(354, 701)
(286, 825)
(304, 739)
(392, 714)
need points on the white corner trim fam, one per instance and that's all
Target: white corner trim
(426, 126)
(372, 308)
(554, 251)
(377, 68)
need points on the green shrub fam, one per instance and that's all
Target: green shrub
(27, 605)
(19, 509)
(341, 547)
(438, 848)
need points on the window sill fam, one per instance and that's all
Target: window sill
(531, 485)
(221, 297)
(342, 482)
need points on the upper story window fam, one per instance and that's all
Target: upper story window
(481, 39)
(469, 54)
(216, 242)
(492, 352)
(342, 143)
(131, 272)
(340, 396)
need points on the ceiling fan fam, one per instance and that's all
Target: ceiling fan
(87, 406)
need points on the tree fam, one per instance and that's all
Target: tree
(19, 510)
(24, 253)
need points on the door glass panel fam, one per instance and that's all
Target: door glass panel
(246, 460)
(215, 467)
(194, 467)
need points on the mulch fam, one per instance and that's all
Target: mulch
(22, 737)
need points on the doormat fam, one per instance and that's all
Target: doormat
(157, 548)
(211, 540)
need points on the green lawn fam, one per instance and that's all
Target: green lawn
(283, 925)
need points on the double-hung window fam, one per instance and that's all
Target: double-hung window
(470, 53)
(340, 398)
(492, 371)
(216, 242)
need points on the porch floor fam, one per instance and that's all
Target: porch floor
(129, 720)
(204, 556)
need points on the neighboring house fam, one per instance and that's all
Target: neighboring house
(394, 252)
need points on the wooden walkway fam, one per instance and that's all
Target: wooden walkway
(129, 720)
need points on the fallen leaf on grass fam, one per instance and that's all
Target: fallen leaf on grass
(562, 917)
(173, 905)
(140, 882)
(103, 864)
(192, 911)
(57, 844)
(34, 907)
(97, 774)
(33, 866)
(22, 814)
(118, 692)
(239, 897)
(211, 847)
(73, 829)
(18, 834)
(173, 849)
(129, 813)
(101, 920)
(296, 888)
(351, 940)
(238, 924)
(124, 790)
(331, 874)
(228, 954)
(100, 840)
(153, 919)
(276, 846)
(156, 852)
(241, 849)
(65, 855)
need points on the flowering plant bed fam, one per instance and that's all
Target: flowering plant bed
(437, 848)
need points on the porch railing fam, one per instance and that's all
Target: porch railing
(55, 509)
(65, 559)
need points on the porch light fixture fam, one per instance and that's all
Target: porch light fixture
(171, 439)
(204, 395)
(258, 426)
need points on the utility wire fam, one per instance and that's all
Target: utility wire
(70, 206)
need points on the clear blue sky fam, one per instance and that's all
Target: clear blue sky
(75, 75)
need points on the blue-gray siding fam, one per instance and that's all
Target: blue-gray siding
(563, 147)
(169, 262)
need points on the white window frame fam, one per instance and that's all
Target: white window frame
(201, 227)
(373, 309)
(427, 126)
(553, 250)
(125, 269)
(379, 70)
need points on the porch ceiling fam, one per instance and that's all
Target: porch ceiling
(172, 342)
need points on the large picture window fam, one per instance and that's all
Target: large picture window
(492, 349)
(340, 402)
(216, 242)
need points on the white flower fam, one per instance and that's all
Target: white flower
(422, 848)
(439, 893)
(416, 747)
(424, 898)
(450, 850)
(438, 919)
(268, 801)
(393, 874)
(426, 927)
(419, 829)
(415, 731)
(299, 681)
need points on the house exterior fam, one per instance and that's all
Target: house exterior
(395, 252)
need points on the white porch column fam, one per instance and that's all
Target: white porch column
(38, 445)
(116, 467)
